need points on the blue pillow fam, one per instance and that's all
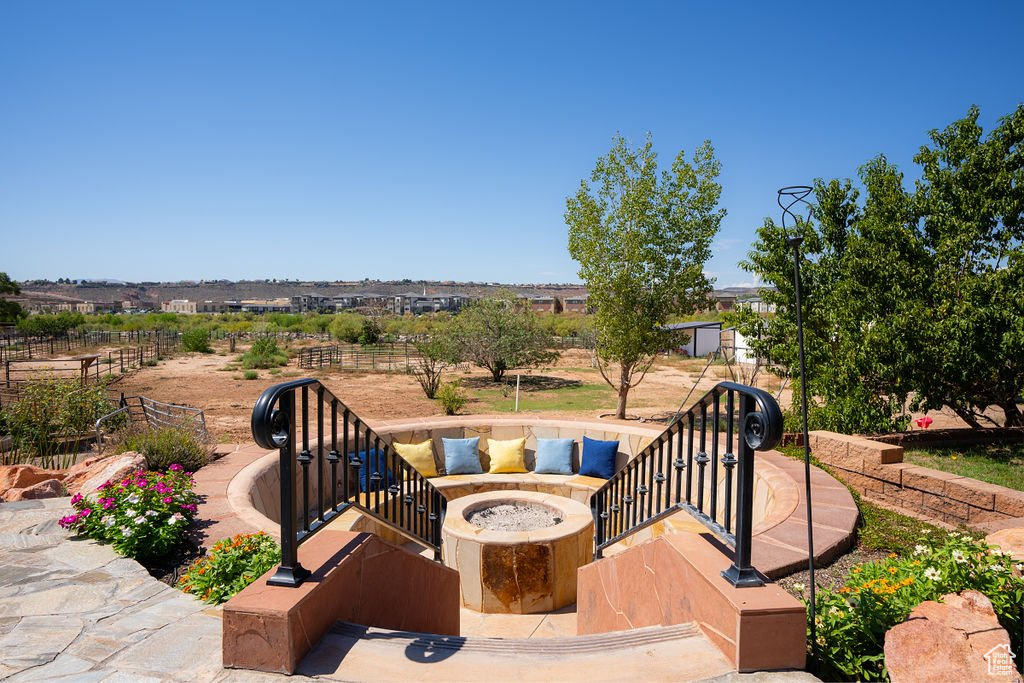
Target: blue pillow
(554, 456)
(462, 456)
(598, 459)
(376, 462)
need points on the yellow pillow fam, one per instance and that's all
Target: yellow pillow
(419, 455)
(507, 456)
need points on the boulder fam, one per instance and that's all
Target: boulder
(953, 640)
(49, 488)
(110, 469)
(22, 476)
(1010, 540)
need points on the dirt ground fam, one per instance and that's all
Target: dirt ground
(205, 381)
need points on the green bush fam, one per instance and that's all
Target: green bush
(263, 354)
(852, 620)
(52, 417)
(250, 374)
(144, 516)
(196, 341)
(165, 447)
(231, 565)
(451, 398)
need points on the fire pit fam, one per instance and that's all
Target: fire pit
(517, 551)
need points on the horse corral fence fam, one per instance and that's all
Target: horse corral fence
(21, 347)
(385, 358)
(142, 411)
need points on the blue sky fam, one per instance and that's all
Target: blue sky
(343, 140)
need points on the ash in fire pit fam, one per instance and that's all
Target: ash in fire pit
(514, 517)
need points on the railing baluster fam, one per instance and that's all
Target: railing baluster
(304, 458)
(320, 453)
(346, 465)
(702, 456)
(689, 458)
(729, 460)
(333, 456)
(714, 458)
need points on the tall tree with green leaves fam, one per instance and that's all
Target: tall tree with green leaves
(500, 334)
(9, 311)
(911, 298)
(641, 238)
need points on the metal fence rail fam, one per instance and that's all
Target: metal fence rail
(389, 358)
(151, 414)
(313, 430)
(21, 347)
(719, 435)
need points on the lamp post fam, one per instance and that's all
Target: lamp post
(787, 198)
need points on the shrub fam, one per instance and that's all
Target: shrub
(852, 620)
(250, 374)
(451, 398)
(162, 448)
(231, 565)
(53, 416)
(144, 516)
(264, 353)
(196, 340)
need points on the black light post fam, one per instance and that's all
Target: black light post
(787, 198)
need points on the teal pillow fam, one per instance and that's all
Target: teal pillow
(598, 459)
(554, 456)
(462, 456)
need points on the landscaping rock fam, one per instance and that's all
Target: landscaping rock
(1010, 541)
(22, 476)
(108, 469)
(949, 641)
(49, 488)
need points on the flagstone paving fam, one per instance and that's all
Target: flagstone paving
(74, 610)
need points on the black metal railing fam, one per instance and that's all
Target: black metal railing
(315, 431)
(702, 463)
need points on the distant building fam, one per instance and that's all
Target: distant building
(755, 304)
(311, 303)
(260, 306)
(183, 306)
(704, 337)
(576, 304)
(545, 304)
(416, 303)
(213, 307)
(91, 307)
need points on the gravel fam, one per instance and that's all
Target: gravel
(514, 517)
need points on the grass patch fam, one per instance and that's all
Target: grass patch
(572, 397)
(995, 463)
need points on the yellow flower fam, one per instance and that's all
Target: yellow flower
(892, 570)
(892, 555)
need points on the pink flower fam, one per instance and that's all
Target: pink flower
(105, 485)
(168, 499)
(176, 468)
(68, 521)
(76, 499)
(109, 503)
(85, 512)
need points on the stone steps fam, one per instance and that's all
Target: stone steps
(356, 653)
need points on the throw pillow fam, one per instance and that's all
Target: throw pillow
(462, 456)
(507, 456)
(370, 463)
(598, 459)
(419, 455)
(554, 456)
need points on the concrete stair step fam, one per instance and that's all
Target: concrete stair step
(671, 653)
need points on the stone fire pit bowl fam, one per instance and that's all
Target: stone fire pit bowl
(517, 572)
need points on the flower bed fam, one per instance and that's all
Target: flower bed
(852, 621)
(231, 565)
(144, 516)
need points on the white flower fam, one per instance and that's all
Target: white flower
(799, 587)
(152, 513)
(175, 518)
(921, 549)
(996, 552)
(954, 534)
(997, 568)
(134, 498)
(932, 573)
(833, 610)
(107, 520)
(1020, 566)
(139, 520)
(126, 532)
(959, 556)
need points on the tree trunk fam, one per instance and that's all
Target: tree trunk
(1014, 418)
(967, 417)
(624, 377)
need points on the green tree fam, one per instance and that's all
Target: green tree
(499, 334)
(10, 311)
(910, 297)
(641, 238)
(435, 356)
(50, 325)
